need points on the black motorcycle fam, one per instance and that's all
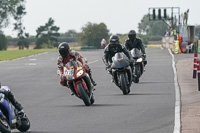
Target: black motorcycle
(121, 72)
(139, 63)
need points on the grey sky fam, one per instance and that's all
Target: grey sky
(120, 16)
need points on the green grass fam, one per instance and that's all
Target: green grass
(13, 54)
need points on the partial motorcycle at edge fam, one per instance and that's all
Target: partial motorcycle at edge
(10, 118)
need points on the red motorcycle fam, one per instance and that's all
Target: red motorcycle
(79, 82)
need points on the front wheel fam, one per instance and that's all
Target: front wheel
(83, 94)
(136, 74)
(123, 85)
(4, 126)
(92, 99)
(25, 124)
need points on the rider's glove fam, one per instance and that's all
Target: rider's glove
(108, 67)
(62, 77)
(144, 56)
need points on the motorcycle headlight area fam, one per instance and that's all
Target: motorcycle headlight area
(69, 74)
(79, 73)
(139, 60)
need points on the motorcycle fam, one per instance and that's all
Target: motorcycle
(10, 118)
(79, 82)
(121, 72)
(139, 63)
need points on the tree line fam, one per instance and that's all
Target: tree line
(48, 35)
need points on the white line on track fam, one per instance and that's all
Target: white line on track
(177, 103)
(92, 62)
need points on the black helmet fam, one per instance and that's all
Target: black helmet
(63, 49)
(114, 39)
(132, 35)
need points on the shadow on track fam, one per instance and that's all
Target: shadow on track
(94, 105)
(153, 82)
(35, 132)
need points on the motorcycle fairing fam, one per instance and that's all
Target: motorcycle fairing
(73, 70)
(6, 105)
(135, 53)
(119, 62)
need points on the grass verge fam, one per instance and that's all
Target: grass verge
(13, 54)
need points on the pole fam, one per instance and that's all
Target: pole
(195, 61)
(198, 74)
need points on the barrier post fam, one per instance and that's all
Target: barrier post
(198, 73)
(195, 60)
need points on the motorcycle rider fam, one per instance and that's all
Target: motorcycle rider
(134, 42)
(111, 49)
(8, 94)
(67, 55)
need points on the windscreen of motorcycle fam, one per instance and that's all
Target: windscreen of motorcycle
(119, 61)
(135, 53)
(71, 68)
(69, 71)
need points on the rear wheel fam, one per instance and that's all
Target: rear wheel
(123, 86)
(83, 94)
(4, 126)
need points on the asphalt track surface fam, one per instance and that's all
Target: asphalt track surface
(149, 108)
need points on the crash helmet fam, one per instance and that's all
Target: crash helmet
(63, 49)
(132, 35)
(114, 39)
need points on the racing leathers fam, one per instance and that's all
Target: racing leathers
(135, 43)
(73, 55)
(111, 50)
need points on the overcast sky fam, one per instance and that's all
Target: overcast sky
(120, 16)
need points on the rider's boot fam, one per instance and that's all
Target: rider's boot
(93, 82)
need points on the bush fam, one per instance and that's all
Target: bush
(3, 42)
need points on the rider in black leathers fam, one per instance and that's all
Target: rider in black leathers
(134, 42)
(112, 48)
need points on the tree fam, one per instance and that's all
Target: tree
(151, 28)
(69, 36)
(18, 26)
(8, 8)
(92, 34)
(3, 42)
(197, 31)
(47, 35)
